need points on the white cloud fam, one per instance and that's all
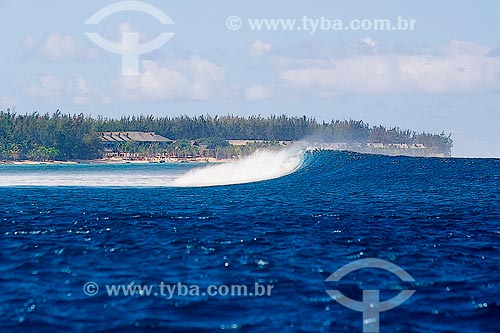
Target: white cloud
(461, 48)
(259, 48)
(75, 91)
(459, 67)
(56, 46)
(193, 78)
(91, 53)
(80, 91)
(257, 92)
(48, 86)
(59, 47)
(369, 41)
(290, 62)
(29, 42)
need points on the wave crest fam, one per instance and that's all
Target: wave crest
(261, 165)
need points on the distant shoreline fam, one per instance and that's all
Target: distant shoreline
(119, 161)
(205, 160)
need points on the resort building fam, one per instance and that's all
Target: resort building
(120, 143)
(112, 139)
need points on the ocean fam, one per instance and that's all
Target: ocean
(161, 247)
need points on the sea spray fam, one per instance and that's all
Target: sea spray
(261, 165)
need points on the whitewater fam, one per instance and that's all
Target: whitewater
(261, 165)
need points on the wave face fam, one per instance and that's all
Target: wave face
(262, 165)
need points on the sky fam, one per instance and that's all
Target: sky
(442, 75)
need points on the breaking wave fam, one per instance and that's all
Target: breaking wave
(261, 165)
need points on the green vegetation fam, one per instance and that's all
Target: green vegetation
(59, 136)
(47, 137)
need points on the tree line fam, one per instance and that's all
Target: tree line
(65, 136)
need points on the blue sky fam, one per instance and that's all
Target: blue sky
(443, 76)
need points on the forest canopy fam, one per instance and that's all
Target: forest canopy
(65, 136)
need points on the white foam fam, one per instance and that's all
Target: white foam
(87, 179)
(262, 165)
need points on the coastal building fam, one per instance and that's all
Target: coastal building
(112, 139)
(115, 143)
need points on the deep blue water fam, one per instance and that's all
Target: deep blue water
(438, 219)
